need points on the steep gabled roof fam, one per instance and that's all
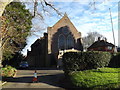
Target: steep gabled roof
(65, 17)
(100, 43)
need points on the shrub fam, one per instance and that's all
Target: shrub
(8, 71)
(115, 62)
(75, 61)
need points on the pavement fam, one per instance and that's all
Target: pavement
(48, 78)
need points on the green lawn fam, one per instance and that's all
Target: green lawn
(100, 78)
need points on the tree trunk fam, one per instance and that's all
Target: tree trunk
(3, 4)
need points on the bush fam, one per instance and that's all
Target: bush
(8, 71)
(75, 61)
(115, 62)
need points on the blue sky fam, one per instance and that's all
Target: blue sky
(85, 16)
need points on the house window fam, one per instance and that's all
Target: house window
(61, 42)
(70, 42)
(109, 48)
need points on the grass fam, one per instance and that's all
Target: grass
(100, 78)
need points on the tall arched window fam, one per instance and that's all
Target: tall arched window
(70, 42)
(61, 42)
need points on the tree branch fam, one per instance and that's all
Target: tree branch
(50, 5)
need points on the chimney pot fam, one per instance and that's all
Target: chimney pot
(105, 39)
(98, 38)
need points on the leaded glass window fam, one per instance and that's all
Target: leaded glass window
(61, 42)
(70, 42)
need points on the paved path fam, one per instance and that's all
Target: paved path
(47, 79)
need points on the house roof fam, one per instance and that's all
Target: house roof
(101, 43)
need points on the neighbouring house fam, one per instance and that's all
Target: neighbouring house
(61, 36)
(102, 45)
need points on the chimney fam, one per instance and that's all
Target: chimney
(105, 39)
(45, 35)
(99, 38)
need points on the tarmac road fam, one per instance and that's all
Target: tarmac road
(47, 79)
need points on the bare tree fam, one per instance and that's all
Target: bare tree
(91, 38)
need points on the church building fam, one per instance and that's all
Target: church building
(61, 36)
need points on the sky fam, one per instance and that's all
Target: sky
(85, 15)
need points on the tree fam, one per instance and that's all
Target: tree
(16, 25)
(6, 36)
(90, 39)
(2, 7)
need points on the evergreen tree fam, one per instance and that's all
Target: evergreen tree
(16, 27)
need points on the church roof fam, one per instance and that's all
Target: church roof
(64, 18)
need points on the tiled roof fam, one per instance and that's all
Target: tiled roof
(100, 43)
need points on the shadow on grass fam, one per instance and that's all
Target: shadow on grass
(57, 80)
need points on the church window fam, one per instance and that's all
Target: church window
(65, 30)
(61, 42)
(109, 48)
(70, 42)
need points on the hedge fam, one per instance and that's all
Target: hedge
(76, 61)
(115, 60)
